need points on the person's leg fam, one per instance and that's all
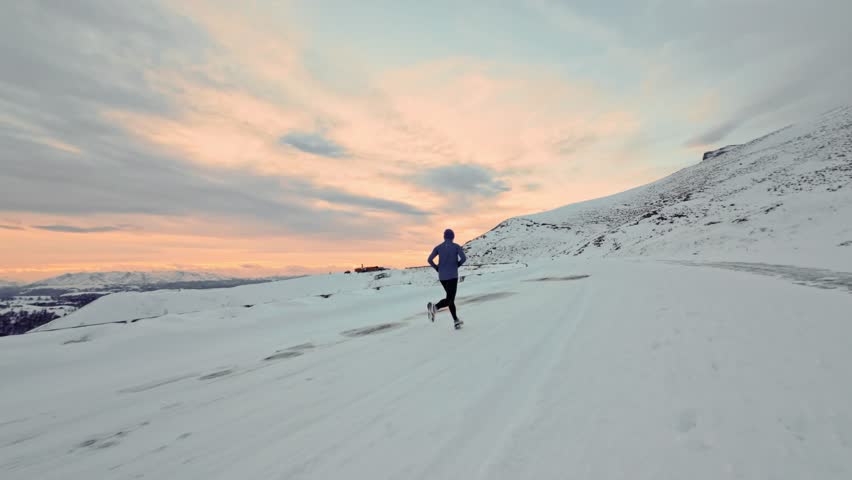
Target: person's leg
(444, 302)
(452, 287)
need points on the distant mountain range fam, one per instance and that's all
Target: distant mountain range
(88, 280)
(109, 282)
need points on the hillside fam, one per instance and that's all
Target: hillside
(782, 198)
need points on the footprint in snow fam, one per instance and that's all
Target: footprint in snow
(291, 352)
(106, 441)
(687, 420)
(220, 373)
(283, 355)
(360, 332)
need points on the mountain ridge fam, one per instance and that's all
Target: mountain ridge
(128, 278)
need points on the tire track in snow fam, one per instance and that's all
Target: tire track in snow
(810, 277)
(556, 345)
(506, 403)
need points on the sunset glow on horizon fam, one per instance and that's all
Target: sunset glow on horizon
(312, 137)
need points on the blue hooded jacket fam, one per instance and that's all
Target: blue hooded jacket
(451, 258)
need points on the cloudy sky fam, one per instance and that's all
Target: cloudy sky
(266, 137)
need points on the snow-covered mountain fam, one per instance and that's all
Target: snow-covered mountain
(100, 280)
(7, 283)
(783, 198)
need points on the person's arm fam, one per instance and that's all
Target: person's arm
(432, 258)
(462, 258)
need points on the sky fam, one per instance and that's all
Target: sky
(285, 137)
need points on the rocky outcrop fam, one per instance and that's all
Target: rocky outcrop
(716, 153)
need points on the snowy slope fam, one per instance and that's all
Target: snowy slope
(785, 197)
(135, 306)
(7, 283)
(565, 369)
(100, 280)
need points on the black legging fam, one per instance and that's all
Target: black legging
(450, 286)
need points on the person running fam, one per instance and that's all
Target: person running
(451, 258)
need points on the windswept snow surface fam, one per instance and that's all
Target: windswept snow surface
(126, 307)
(604, 369)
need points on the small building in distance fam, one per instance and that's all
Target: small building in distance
(364, 269)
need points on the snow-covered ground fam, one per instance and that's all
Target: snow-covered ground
(60, 310)
(566, 369)
(29, 303)
(127, 307)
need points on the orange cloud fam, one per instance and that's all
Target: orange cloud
(192, 244)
